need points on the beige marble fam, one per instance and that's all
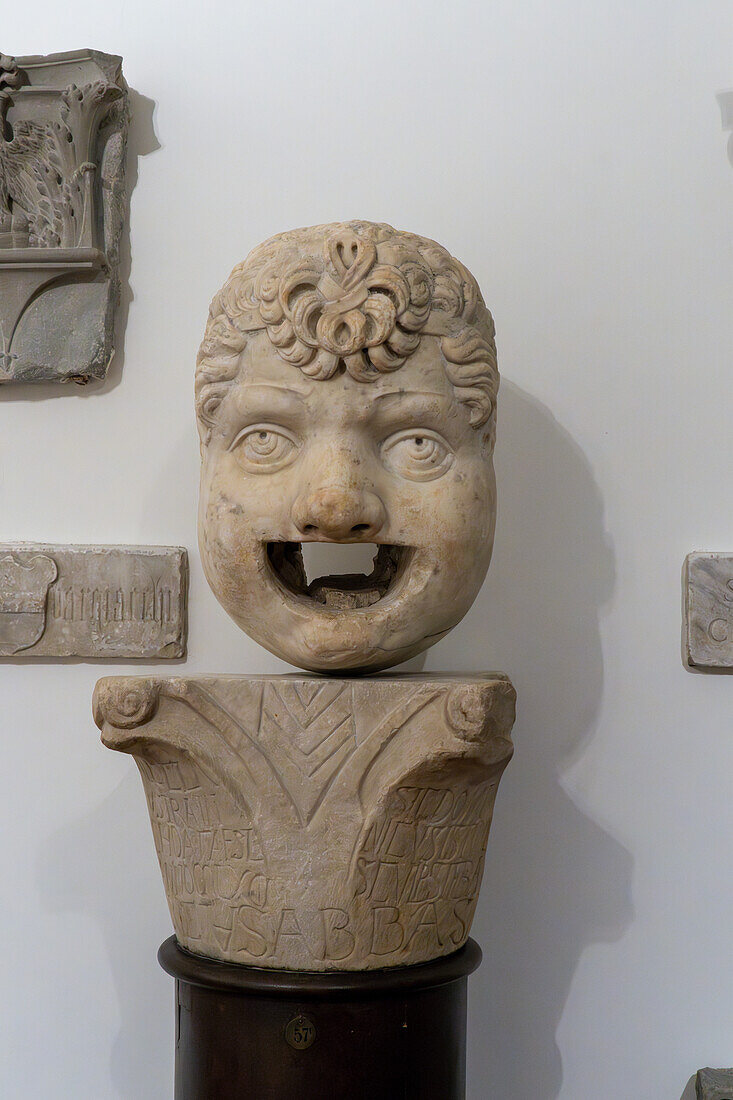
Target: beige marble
(314, 824)
(346, 394)
(346, 399)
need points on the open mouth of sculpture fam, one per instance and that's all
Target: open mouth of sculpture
(346, 591)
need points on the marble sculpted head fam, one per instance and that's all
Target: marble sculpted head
(346, 392)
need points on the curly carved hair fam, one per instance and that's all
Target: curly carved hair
(358, 293)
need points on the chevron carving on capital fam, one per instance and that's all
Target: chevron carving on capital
(316, 824)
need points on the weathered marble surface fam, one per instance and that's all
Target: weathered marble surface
(708, 629)
(346, 393)
(714, 1084)
(63, 128)
(92, 601)
(313, 824)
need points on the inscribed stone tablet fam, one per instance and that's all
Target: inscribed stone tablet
(92, 601)
(708, 584)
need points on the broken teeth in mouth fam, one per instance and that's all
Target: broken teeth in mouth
(343, 592)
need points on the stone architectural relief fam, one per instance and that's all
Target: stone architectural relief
(317, 824)
(63, 125)
(708, 626)
(92, 601)
(714, 1084)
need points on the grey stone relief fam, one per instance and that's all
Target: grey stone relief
(708, 626)
(93, 601)
(714, 1084)
(63, 128)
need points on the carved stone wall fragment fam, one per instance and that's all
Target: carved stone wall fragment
(708, 628)
(92, 601)
(63, 127)
(317, 824)
(714, 1084)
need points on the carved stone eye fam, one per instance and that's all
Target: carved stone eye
(264, 448)
(417, 454)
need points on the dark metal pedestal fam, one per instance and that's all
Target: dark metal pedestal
(255, 1034)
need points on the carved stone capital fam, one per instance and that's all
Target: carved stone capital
(317, 824)
(63, 129)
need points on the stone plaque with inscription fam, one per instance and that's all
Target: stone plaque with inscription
(312, 824)
(714, 1084)
(63, 127)
(92, 601)
(708, 633)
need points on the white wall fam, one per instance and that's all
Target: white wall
(572, 154)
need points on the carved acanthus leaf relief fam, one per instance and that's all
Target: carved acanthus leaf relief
(62, 207)
(45, 184)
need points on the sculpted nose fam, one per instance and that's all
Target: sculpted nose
(338, 513)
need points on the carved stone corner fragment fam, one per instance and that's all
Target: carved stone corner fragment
(63, 129)
(93, 601)
(714, 1084)
(314, 824)
(708, 611)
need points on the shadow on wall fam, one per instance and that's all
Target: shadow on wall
(141, 140)
(104, 865)
(690, 1092)
(555, 882)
